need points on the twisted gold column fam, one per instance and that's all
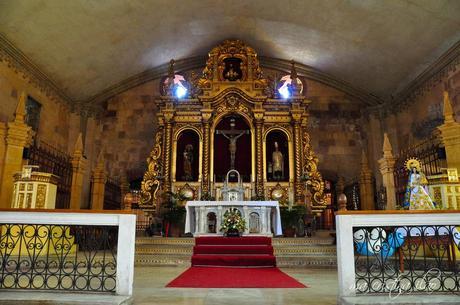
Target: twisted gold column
(298, 184)
(167, 156)
(259, 159)
(206, 157)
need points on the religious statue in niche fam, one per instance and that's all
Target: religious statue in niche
(416, 197)
(232, 69)
(188, 161)
(277, 164)
(232, 136)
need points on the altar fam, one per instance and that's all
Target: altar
(205, 217)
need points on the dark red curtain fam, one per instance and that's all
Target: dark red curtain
(281, 138)
(185, 138)
(243, 155)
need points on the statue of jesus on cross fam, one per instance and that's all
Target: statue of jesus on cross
(232, 136)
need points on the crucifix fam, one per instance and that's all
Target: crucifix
(232, 136)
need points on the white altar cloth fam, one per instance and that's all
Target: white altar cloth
(196, 213)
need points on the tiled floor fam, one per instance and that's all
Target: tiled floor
(149, 288)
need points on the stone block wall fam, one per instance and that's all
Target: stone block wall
(128, 129)
(335, 128)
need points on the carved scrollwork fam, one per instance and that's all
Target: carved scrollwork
(310, 168)
(232, 103)
(151, 182)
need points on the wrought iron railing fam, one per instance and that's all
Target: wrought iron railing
(52, 160)
(72, 256)
(398, 252)
(406, 259)
(55, 257)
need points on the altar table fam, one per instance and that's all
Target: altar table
(196, 221)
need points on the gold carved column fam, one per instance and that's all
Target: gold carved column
(298, 183)
(259, 157)
(167, 153)
(206, 121)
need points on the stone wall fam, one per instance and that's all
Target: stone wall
(128, 129)
(335, 127)
(58, 126)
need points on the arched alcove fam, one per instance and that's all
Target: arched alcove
(187, 152)
(243, 153)
(281, 146)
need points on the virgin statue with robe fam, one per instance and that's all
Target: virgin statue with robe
(416, 197)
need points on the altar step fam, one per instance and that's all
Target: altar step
(314, 252)
(233, 252)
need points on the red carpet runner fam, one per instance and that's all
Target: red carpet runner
(234, 262)
(233, 252)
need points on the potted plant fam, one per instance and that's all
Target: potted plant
(290, 219)
(173, 214)
(233, 225)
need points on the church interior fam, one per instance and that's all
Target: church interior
(213, 138)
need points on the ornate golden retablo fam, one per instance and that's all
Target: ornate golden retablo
(232, 84)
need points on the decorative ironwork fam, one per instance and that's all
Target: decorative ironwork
(58, 257)
(432, 159)
(52, 160)
(406, 259)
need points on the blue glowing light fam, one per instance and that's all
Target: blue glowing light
(284, 91)
(180, 91)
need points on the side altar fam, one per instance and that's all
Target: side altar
(231, 117)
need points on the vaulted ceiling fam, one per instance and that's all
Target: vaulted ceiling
(88, 46)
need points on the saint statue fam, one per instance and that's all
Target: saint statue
(188, 160)
(416, 197)
(277, 163)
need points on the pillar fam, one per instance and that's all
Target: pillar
(98, 179)
(205, 183)
(299, 185)
(366, 192)
(167, 151)
(78, 171)
(259, 156)
(387, 170)
(16, 137)
(450, 134)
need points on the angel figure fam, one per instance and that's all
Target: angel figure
(416, 197)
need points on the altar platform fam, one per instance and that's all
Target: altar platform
(301, 252)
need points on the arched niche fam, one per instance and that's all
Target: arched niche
(211, 222)
(254, 222)
(281, 139)
(187, 156)
(221, 149)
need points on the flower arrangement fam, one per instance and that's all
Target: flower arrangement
(233, 221)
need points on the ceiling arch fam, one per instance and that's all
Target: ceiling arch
(86, 47)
